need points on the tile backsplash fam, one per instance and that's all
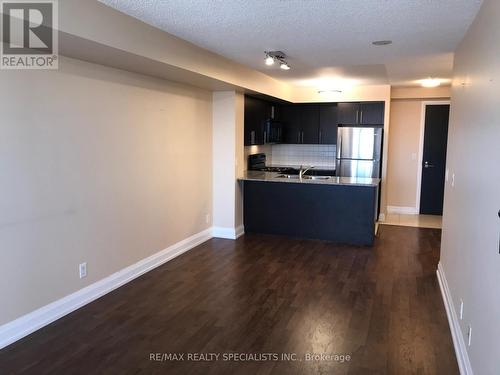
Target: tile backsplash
(317, 155)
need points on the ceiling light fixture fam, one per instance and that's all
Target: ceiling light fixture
(329, 91)
(382, 42)
(430, 82)
(272, 56)
(284, 66)
(269, 60)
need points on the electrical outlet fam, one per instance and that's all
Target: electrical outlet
(453, 180)
(469, 335)
(83, 270)
(461, 309)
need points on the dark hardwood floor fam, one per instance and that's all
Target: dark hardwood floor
(262, 294)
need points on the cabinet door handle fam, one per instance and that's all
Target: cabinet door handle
(265, 137)
(361, 117)
(357, 116)
(302, 137)
(252, 137)
(298, 138)
(320, 134)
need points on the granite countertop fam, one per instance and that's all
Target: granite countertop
(273, 177)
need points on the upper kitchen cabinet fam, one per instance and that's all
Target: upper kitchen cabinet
(289, 115)
(371, 113)
(328, 124)
(309, 123)
(309, 120)
(348, 113)
(366, 113)
(256, 113)
(300, 123)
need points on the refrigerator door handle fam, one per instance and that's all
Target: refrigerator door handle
(339, 144)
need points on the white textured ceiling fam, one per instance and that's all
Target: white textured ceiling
(326, 40)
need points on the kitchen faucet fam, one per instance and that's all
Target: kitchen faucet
(302, 171)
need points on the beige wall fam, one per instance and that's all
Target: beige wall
(420, 92)
(97, 165)
(404, 142)
(470, 255)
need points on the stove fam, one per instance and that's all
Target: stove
(276, 169)
(257, 162)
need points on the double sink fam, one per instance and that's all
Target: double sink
(306, 177)
(305, 173)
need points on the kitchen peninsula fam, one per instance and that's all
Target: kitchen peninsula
(338, 209)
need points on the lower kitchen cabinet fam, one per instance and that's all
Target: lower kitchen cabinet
(338, 213)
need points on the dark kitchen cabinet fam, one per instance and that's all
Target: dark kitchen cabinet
(289, 115)
(307, 123)
(348, 113)
(300, 123)
(371, 113)
(309, 119)
(366, 113)
(256, 113)
(328, 124)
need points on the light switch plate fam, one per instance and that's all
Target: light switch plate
(82, 268)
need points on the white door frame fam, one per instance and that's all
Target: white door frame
(421, 145)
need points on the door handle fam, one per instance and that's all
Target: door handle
(427, 165)
(339, 145)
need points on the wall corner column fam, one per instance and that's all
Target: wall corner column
(228, 163)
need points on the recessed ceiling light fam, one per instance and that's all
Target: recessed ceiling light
(430, 82)
(382, 42)
(269, 60)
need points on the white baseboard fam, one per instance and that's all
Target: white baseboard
(456, 333)
(26, 324)
(228, 233)
(240, 231)
(402, 210)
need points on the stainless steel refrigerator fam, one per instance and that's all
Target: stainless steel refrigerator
(359, 152)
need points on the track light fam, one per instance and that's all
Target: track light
(284, 66)
(278, 56)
